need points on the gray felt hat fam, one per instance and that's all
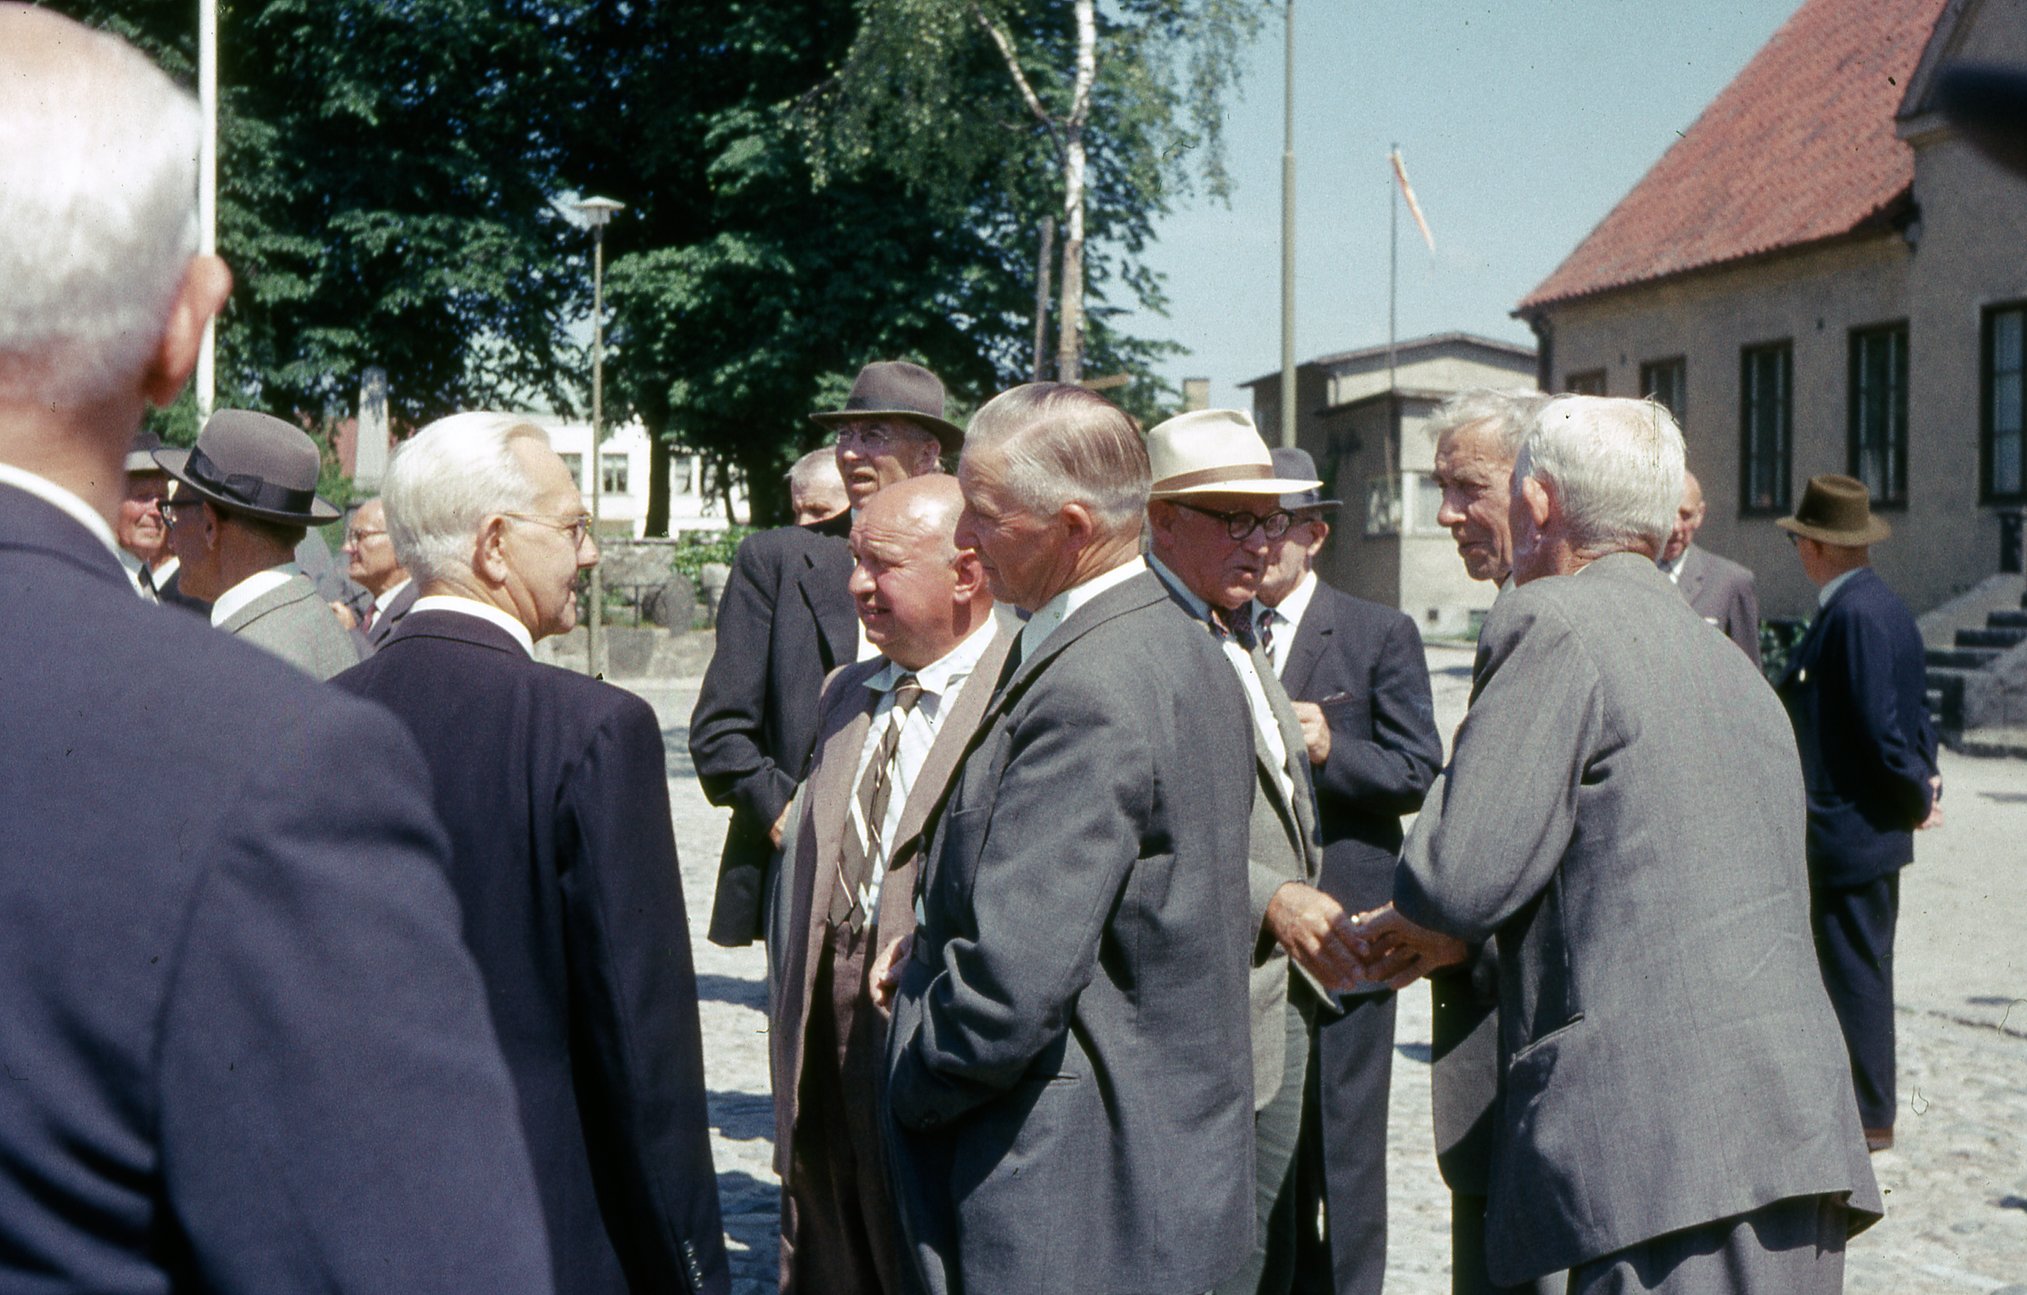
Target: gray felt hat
(255, 465)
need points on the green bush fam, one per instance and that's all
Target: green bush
(695, 548)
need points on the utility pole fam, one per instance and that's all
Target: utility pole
(1288, 237)
(207, 191)
(596, 211)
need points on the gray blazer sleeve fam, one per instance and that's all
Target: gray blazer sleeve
(1507, 805)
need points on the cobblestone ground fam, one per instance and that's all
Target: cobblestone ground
(1956, 1183)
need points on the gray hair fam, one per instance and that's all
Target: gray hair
(1060, 443)
(1510, 409)
(1615, 465)
(98, 201)
(814, 465)
(446, 480)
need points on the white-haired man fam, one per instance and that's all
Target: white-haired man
(1069, 1076)
(555, 789)
(1676, 1113)
(1720, 590)
(247, 1049)
(370, 561)
(816, 490)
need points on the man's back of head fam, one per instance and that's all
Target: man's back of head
(1596, 475)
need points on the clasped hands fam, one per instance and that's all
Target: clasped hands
(1349, 952)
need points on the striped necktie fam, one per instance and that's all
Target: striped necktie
(1265, 636)
(862, 844)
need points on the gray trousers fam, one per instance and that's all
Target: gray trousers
(1277, 1126)
(1791, 1247)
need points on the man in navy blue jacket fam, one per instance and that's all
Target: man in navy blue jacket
(243, 1047)
(1855, 688)
(563, 856)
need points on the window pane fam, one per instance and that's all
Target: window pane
(614, 480)
(2003, 437)
(1428, 502)
(575, 462)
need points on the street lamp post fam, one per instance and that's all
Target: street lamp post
(596, 211)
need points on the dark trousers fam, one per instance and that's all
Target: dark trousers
(1791, 1247)
(1854, 944)
(1468, 1275)
(1341, 1166)
(839, 1235)
(1277, 1128)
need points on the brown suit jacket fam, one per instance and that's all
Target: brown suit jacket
(844, 714)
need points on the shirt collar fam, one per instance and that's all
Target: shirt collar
(1292, 607)
(484, 611)
(1049, 617)
(236, 599)
(1830, 589)
(64, 501)
(940, 676)
(381, 600)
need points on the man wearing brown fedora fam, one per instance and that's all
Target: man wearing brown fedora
(1856, 689)
(249, 491)
(785, 622)
(1214, 515)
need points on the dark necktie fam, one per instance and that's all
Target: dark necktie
(869, 811)
(1233, 624)
(366, 621)
(1266, 633)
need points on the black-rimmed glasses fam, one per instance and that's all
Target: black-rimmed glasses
(1240, 525)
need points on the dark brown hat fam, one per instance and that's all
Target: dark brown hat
(141, 454)
(898, 389)
(254, 465)
(1837, 510)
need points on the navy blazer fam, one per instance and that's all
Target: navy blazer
(1856, 690)
(244, 1048)
(554, 788)
(785, 622)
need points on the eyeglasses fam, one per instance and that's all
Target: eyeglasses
(1240, 525)
(872, 437)
(353, 539)
(168, 508)
(576, 527)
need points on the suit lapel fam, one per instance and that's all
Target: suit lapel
(822, 582)
(1295, 810)
(1312, 639)
(1690, 580)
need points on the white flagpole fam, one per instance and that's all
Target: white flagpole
(207, 187)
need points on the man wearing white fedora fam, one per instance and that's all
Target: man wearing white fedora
(249, 493)
(1214, 516)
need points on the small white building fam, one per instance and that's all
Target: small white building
(623, 464)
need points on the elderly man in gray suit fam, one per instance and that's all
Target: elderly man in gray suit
(1070, 1084)
(890, 731)
(1720, 590)
(1213, 516)
(249, 493)
(1675, 1112)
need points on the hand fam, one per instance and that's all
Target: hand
(1317, 933)
(1396, 952)
(1315, 730)
(1935, 806)
(344, 615)
(886, 973)
(780, 825)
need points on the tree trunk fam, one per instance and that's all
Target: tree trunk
(658, 484)
(1070, 313)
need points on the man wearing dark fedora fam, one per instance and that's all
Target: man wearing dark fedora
(249, 492)
(1359, 685)
(1855, 687)
(785, 622)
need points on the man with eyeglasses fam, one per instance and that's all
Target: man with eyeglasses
(371, 562)
(785, 622)
(247, 493)
(1214, 517)
(555, 789)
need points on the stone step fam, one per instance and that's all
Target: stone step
(1991, 638)
(1946, 698)
(1959, 658)
(2007, 620)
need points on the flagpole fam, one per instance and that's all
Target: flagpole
(1288, 237)
(1393, 258)
(207, 189)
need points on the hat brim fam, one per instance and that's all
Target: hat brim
(174, 463)
(142, 461)
(1243, 486)
(1875, 530)
(948, 435)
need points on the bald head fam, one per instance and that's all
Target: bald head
(1688, 518)
(916, 592)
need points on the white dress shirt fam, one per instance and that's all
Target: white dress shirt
(484, 611)
(1286, 620)
(1051, 614)
(1249, 678)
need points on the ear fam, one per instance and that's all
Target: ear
(1539, 500)
(1080, 527)
(1322, 533)
(489, 551)
(970, 577)
(202, 293)
(213, 524)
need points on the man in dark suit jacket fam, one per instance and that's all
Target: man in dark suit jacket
(1360, 685)
(1675, 1112)
(554, 788)
(1856, 688)
(850, 883)
(371, 563)
(245, 1049)
(1069, 1063)
(1718, 589)
(784, 623)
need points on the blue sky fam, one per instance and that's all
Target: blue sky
(1521, 123)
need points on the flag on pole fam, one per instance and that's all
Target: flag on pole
(1408, 192)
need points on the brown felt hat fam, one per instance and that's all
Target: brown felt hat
(255, 465)
(898, 389)
(1837, 510)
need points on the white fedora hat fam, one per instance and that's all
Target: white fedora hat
(1214, 451)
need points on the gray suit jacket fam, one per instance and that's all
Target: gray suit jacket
(1723, 593)
(824, 808)
(1669, 1056)
(293, 622)
(1070, 1092)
